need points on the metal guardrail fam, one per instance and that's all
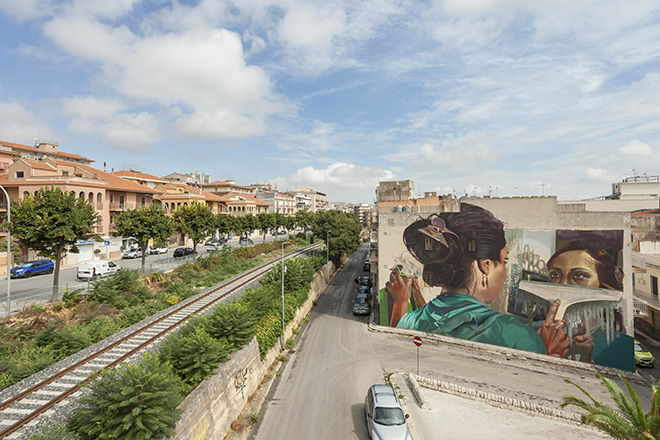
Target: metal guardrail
(19, 300)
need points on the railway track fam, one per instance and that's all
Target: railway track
(23, 408)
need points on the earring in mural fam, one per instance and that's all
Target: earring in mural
(484, 280)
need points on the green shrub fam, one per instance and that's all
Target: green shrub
(121, 290)
(72, 298)
(64, 341)
(103, 326)
(194, 353)
(27, 361)
(233, 322)
(135, 402)
(268, 330)
(54, 433)
(290, 343)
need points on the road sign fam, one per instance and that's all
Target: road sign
(418, 341)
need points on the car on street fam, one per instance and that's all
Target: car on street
(214, 247)
(363, 280)
(183, 252)
(362, 304)
(366, 266)
(159, 250)
(643, 357)
(385, 417)
(361, 289)
(29, 268)
(132, 253)
(88, 270)
(245, 241)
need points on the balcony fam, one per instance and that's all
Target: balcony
(117, 206)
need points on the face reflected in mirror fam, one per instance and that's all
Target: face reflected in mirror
(574, 267)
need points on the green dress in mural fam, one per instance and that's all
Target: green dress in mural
(465, 317)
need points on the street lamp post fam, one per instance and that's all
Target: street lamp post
(327, 255)
(8, 252)
(167, 209)
(286, 242)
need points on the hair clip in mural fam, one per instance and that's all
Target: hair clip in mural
(436, 231)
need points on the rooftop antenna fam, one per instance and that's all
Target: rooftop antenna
(515, 191)
(542, 190)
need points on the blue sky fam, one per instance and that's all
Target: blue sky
(515, 97)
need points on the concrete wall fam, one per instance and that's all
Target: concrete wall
(211, 408)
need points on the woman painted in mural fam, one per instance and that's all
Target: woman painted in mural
(465, 254)
(587, 263)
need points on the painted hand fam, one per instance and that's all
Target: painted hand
(554, 334)
(398, 288)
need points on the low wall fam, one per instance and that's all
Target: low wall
(211, 408)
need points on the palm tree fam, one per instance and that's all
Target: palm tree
(629, 422)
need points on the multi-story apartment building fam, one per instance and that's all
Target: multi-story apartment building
(240, 199)
(281, 203)
(109, 194)
(317, 198)
(363, 213)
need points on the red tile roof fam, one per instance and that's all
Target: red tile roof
(138, 175)
(36, 150)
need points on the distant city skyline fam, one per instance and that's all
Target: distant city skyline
(527, 98)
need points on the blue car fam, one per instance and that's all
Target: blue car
(26, 270)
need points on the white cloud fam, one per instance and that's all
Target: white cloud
(343, 175)
(598, 175)
(26, 9)
(113, 121)
(202, 73)
(18, 123)
(636, 148)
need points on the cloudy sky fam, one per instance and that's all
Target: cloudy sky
(511, 97)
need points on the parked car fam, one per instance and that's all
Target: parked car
(132, 253)
(245, 241)
(366, 266)
(27, 269)
(213, 247)
(643, 357)
(385, 418)
(182, 252)
(363, 280)
(96, 269)
(158, 250)
(215, 241)
(362, 304)
(362, 289)
(283, 232)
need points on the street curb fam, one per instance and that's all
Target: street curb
(497, 400)
(512, 353)
(414, 387)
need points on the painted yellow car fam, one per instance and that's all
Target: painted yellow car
(643, 358)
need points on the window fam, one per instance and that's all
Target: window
(99, 198)
(65, 173)
(654, 286)
(112, 198)
(20, 174)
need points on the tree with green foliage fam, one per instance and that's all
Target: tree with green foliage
(630, 421)
(130, 401)
(195, 221)
(267, 222)
(144, 223)
(224, 223)
(51, 222)
(340, 229)
(305, 218)
(251, 223)
(233, 322)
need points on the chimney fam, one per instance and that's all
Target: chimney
(104, 167)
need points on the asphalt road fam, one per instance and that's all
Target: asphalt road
(320, 390)
(38, 288)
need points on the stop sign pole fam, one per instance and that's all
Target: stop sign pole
(418, 342)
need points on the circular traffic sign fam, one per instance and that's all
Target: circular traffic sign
(417, 340)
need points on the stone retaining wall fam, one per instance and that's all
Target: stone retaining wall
(211, 408)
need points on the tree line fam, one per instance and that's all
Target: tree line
(52, 222)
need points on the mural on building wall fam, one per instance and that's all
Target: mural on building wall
(561, 290)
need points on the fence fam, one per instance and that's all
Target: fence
(20, 300)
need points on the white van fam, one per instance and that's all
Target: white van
(96, 269)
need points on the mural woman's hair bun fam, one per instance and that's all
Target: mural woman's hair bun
(436, 230)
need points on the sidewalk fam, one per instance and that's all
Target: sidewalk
(455, 417)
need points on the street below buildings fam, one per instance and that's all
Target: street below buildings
(38, 288)
(320, 391)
